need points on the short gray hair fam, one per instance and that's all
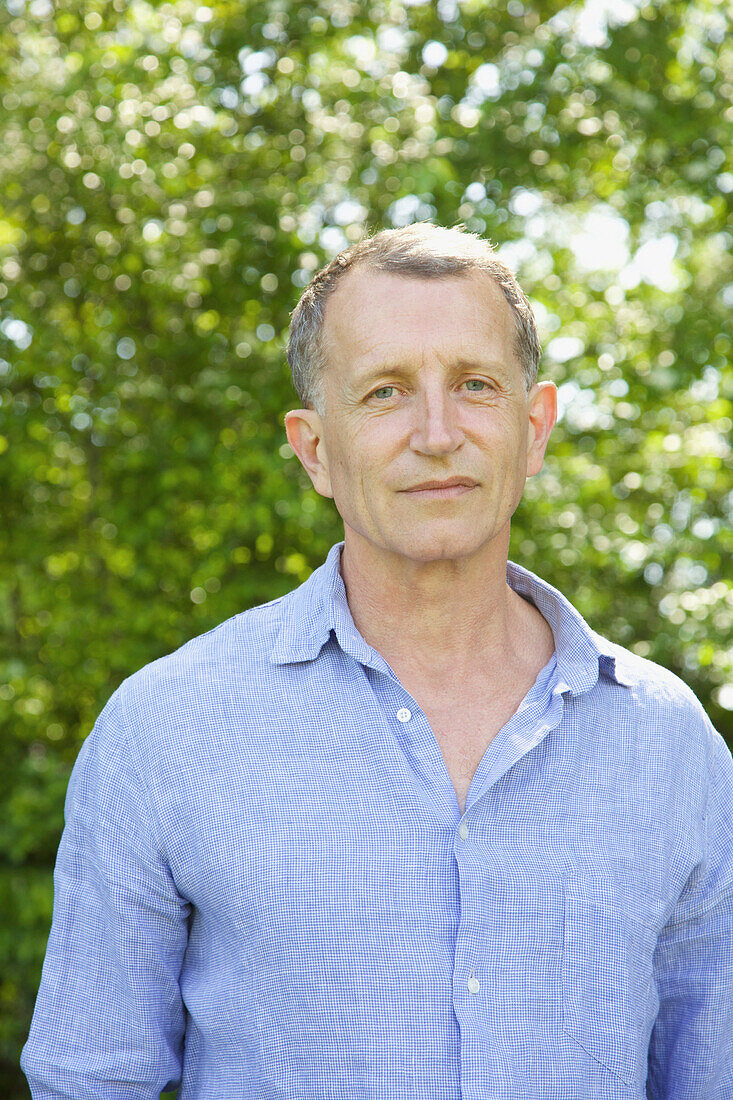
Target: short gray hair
(422, 250)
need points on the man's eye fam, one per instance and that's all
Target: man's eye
(383, 392)
(476, 385)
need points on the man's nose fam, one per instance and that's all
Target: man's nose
(436, 430)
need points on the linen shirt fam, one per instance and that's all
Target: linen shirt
(266, 889)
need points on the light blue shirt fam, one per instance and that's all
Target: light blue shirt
(266, 889)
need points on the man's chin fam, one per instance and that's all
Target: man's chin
(422, 543)
(429, 547)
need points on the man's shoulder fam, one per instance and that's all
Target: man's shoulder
(237, 650)
(652, 689)
(644, 675)
(636, 682)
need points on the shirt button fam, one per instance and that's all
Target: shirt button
(473, 985)
(463, 830)
(403, 715)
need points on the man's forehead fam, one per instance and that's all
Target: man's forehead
(370, 309)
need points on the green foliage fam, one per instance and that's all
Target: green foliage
(172, 174)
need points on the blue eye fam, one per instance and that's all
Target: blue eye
(383, 392)
(475, 385)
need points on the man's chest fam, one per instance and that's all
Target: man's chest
(462, 745)
(329, 901)
(464, 726)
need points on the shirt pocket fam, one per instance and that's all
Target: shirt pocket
(608, 990)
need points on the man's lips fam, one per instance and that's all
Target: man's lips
(453, 486)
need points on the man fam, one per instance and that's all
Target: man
(413, 830)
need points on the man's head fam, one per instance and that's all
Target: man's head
(426, 425)
(423, 251)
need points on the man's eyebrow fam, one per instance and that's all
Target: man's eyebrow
(480, 364)
(376, 370)
(399, 368)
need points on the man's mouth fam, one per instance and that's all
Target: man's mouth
(451, 487)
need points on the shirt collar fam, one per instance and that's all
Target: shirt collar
(312, 611)
(319, 606)
(581, 652)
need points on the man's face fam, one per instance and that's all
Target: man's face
(427, 434)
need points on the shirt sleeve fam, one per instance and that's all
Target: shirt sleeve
(691, 1049)
(109, 1021)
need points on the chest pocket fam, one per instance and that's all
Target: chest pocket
(608, 990)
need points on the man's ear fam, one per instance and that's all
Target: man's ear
(542, 403)
(304, 429)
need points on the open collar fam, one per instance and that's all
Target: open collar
(318, 608)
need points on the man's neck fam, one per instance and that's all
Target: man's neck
(456, 617)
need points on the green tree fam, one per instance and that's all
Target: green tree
(172, 174)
